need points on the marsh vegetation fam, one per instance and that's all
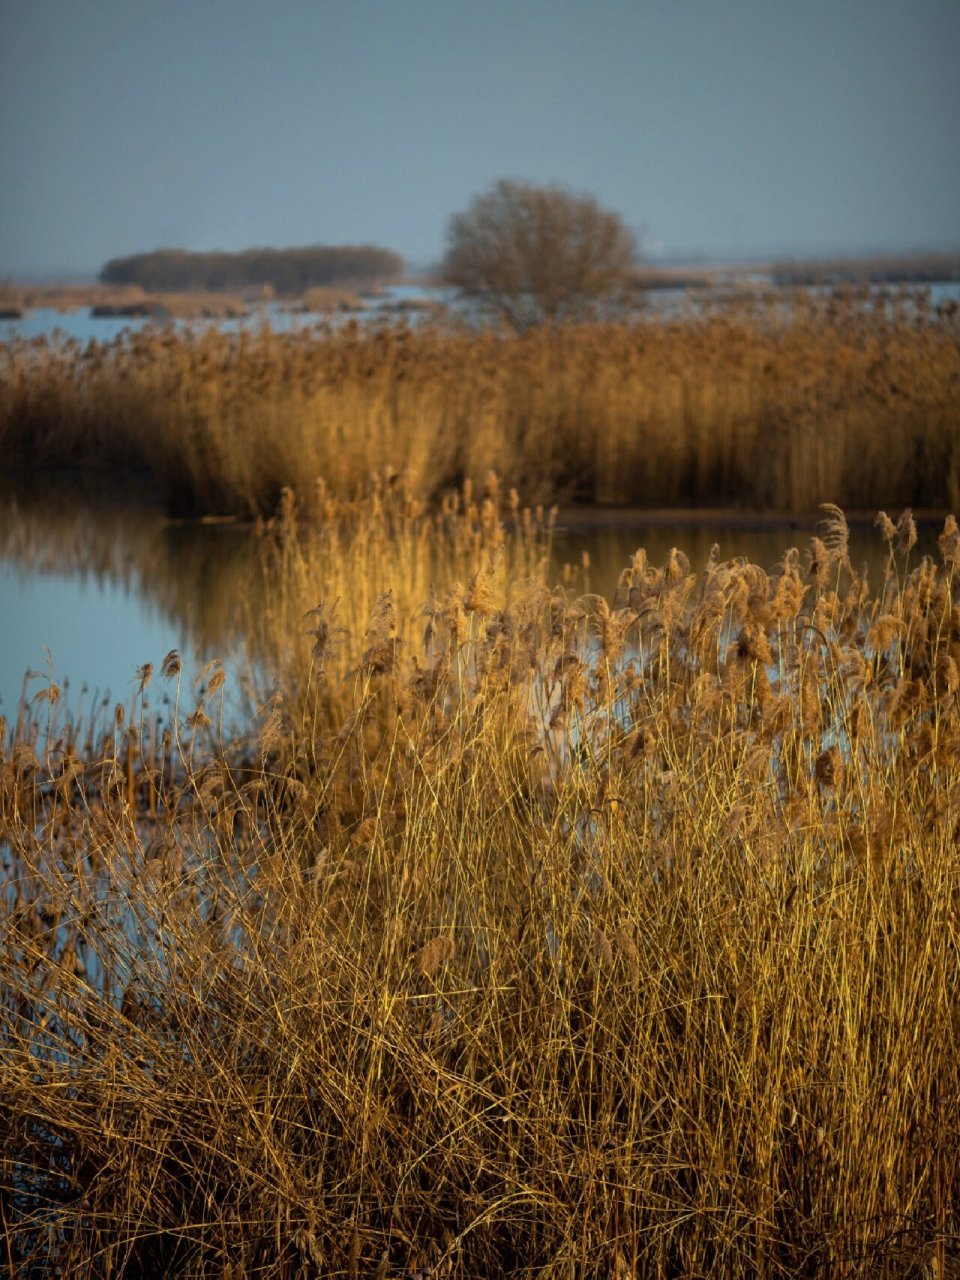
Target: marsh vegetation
(527, 932)
(517, 930)
(778, 405)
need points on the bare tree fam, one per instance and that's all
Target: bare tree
(532, 254)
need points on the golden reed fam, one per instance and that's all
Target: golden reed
(780, 405)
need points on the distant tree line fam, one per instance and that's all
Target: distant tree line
(287, 271)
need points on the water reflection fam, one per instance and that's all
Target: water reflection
(758, 539)
(412, 302)
(106, 582)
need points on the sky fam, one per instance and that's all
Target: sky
(726, 128)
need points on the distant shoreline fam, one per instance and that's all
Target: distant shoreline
(114, 299)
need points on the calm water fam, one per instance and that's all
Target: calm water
(82, 326)
(98, 589)
(90, 592)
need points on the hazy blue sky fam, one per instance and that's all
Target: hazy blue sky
(731, 126)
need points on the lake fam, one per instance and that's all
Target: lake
(91, 590)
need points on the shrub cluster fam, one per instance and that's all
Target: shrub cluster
(287, 271)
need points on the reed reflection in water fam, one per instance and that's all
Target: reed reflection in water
(610, 537)
(106, 583)
(101, 586)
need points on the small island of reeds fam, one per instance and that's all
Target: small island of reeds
(775, 405)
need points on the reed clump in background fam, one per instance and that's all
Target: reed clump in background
(551, 936)
(772, 406)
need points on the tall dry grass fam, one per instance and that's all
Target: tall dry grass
(377, 573)
(575, 936)
(780, 405)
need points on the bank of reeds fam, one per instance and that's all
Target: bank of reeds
(563, 937)
(778, 406)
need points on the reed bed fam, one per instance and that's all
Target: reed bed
(541, 935)
(778, 405)
(380, 568)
